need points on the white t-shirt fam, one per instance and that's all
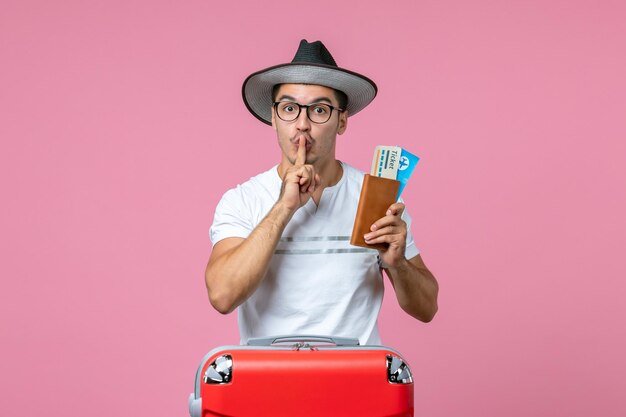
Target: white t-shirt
(316, 283)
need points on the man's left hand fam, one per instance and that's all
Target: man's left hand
(390, 229)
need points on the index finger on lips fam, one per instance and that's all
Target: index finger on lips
(301, 156)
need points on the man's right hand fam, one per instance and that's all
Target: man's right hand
(299, 181)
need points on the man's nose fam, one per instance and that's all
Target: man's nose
(303, 122)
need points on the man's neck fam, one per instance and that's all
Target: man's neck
(330, 174)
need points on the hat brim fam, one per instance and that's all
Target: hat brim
(257, 88)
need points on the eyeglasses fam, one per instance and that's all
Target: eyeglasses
(317, 113)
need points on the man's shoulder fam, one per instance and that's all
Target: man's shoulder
(264, 180)
(257, 190)
(268, 178)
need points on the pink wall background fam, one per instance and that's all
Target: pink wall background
(122, 125)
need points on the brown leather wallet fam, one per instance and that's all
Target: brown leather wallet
(376, 196)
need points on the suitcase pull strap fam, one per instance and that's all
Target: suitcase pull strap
(337, 341)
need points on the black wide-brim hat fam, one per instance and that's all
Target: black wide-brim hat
(313, 64)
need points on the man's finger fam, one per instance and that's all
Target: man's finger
(305, 179)
(386, 221)
(388, 230)
(395, 209)
(301, 156)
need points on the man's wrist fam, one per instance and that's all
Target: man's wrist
(399, 265)
(283, 211)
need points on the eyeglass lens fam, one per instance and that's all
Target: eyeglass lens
(317, 113)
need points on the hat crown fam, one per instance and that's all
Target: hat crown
(314, 65)
(313, 53)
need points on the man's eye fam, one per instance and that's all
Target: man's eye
(320, 109)
(288, 108)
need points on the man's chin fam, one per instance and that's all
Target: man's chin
(309, 161)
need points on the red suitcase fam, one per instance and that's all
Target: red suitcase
(302, 376)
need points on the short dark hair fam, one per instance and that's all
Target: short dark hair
(341, 97)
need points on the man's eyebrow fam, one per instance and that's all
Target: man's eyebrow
(285, 97)
(316, 100)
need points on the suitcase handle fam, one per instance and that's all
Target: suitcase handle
(337, 341)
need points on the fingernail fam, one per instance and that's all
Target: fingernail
(367, 237)
(388, 212)
(373, 228)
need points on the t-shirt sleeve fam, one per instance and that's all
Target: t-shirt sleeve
(411, 250)
(230, 218)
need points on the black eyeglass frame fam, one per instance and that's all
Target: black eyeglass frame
(306, 106)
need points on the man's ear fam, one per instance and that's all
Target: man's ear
(343, 122)
(273, 119)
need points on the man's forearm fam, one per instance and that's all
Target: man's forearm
(235, 275)
(416, 288)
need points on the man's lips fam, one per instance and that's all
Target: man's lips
(308, 144)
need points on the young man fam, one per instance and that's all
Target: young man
(281, 240)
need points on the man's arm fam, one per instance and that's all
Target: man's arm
(237, 266)
(415, 286)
